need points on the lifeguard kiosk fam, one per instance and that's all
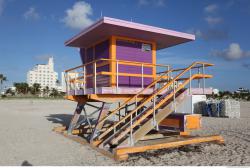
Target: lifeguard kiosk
(139, 98)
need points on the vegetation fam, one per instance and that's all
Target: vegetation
(2, 79)
(232, 95)
(23, 90)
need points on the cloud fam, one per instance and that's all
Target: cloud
(78, 17)
(1, 6)
(213, 20)
(210, 34)
(233, 52)
(212, 8)
(157, 3)
(31, 14)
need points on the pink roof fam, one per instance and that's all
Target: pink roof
(106, 27)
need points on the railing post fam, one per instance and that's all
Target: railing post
(66, 81)
(117, 76)
(203, 72)
(136, 105)
(190, 81)
(75, 83)
(199, 82)
(174, 98)
(119, 104)
(154, 111)
(84, 79)
(94, 77)
(142, 78)
(154, 120)
(131, 132)
(168, 68)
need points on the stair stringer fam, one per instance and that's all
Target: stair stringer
(148, 125)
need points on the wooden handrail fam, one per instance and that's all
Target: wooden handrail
(124, 62)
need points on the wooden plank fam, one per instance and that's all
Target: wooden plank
(173, 144)
(152, 136)
(126, 74)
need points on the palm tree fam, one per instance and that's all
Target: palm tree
(36, 88)
(54, 93)
(46, 90)
(22, 87)
(2, 79)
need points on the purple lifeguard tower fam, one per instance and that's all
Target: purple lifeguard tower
(136, 98)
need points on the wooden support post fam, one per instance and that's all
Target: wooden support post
(103, 113)
(87, 118)
(94, 79)
(84, 80)
(203, 72)
(75, 118)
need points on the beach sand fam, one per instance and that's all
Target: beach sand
(26, 138)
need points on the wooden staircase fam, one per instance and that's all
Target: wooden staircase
(162, 102)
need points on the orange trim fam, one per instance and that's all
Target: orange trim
(171, 122)
(112, 56)
(185, 133)
(193, 122)
(124, 74)
(154, 59)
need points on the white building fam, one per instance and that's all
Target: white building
(70, 75)
(43, 74)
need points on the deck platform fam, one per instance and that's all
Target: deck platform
(129, 90)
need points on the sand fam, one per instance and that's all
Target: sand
(26, 139)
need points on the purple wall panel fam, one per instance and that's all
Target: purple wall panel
(89, 68)
(82, 55)
(101, 50)
(132, 51)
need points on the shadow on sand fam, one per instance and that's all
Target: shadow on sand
(63, 119)
(26, 163)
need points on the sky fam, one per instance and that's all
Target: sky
(33, 30)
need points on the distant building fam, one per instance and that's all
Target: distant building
(71, 75)
(216, 91)
(242, 90)
(43, 74)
